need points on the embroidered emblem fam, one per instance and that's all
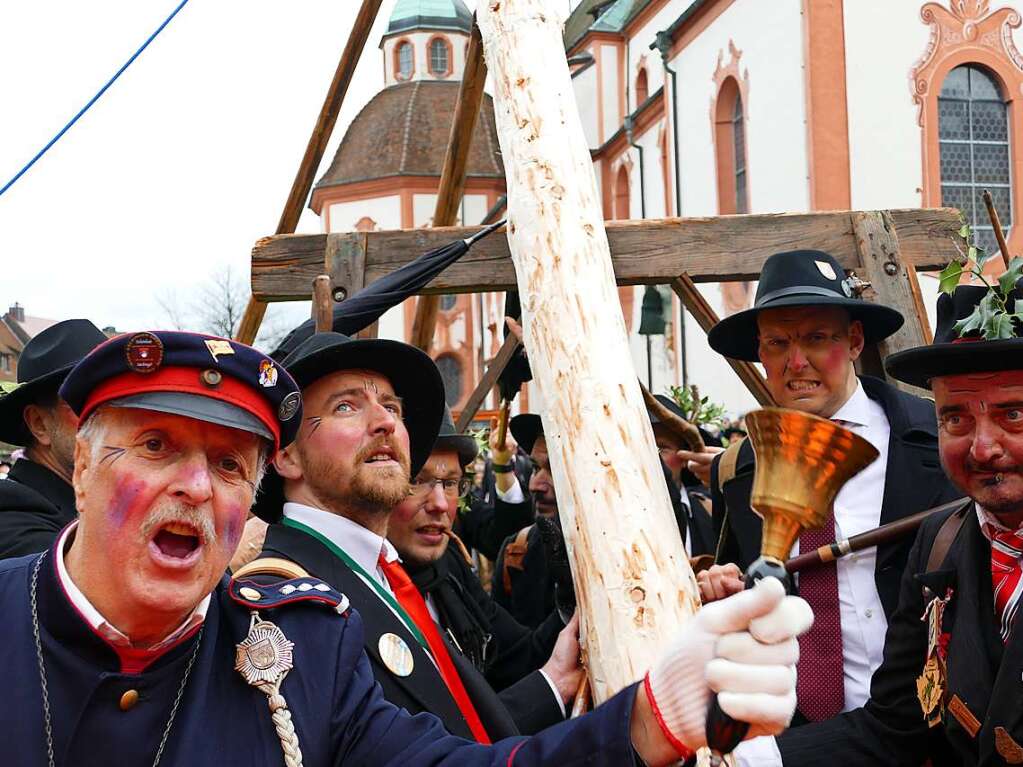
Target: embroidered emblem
(964, 716)
(267, 374)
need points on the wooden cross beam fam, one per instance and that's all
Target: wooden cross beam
(643, 252)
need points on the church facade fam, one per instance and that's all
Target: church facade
(717, 107)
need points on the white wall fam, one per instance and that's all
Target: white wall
(474, 207)
(607, 60)
(585, 86)
(884, 137)
(386, 211)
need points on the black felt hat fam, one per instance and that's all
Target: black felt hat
(412, 374)
(800, 278)
(42, 367)
(949, 354)
(450, 439)
(672, 406)
(526, 427)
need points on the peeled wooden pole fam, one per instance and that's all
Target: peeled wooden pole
(634, 585)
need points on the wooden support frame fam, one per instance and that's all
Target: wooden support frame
(256, 309)
(498, 364)
(452, 178)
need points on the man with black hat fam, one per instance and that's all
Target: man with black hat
(507, 653)
(39, 500)
(949, 688)
(807, 330)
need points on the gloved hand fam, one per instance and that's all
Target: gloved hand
(744, 648)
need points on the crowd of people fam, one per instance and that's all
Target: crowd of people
(211, 557)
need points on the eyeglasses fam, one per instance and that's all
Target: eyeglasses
(453, 488)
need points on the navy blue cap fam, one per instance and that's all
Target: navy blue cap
(190, 374)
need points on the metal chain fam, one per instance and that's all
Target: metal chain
(42, 675)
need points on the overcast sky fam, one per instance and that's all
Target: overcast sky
(182, 164)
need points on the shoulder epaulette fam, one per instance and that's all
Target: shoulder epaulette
(264, 584)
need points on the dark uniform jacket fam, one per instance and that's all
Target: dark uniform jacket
(522, 583)
(983, 675)
(914, 481)
(35, 505)
(490, 520)
(337, 709)
(499, 646)
(423, 689)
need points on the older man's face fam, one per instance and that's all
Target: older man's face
(980, 434)
(420, 524)
(808, 354)
(162, 501)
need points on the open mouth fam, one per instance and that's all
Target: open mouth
(802, 386)
(432, 534)
(383, 456)
(176, 544)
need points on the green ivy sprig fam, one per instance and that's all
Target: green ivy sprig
(482, 439)
(699, 411)
(993, 317)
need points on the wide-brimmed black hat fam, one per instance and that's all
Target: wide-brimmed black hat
(449, 439)
(950, 355)
(42, 367)
(412, 374)
(800, 278)
(526, 427)
(672, 406)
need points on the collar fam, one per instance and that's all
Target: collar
(47, 483)
(362, 545)
(857, 409)
(989, 524)
(131, 656)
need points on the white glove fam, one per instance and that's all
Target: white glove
(745, 649)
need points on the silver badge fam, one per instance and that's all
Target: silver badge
(264, 656)
(289, 406)
(395, 654)
(826, 269)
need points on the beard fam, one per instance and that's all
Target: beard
(367, 489)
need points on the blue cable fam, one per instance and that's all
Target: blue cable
(93, 100)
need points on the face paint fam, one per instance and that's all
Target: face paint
(314, 422)
(125, 497)
(111, 453)
(371, 386)
(233, 528)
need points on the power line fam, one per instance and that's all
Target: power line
(93, 100)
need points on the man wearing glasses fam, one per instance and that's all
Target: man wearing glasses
(507, 653)
(371, 414)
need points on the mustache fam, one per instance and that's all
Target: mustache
(997, 472)
(400, 455)
(181, 512)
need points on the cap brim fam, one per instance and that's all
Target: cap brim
(198, 407)
(12, 425)
(736, 336)
(920, 365)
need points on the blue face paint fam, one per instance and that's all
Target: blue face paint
(127, 493)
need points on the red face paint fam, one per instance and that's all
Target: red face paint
(126, 499)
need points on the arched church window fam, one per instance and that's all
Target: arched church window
(973, 141)
(448, 301)
(622, 194)
(642, 88)
(739, 154)
(439, 57)
(405, 63)
(451, 374)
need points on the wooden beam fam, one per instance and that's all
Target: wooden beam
(483, 388)
(323, 304)
(893, 282)
(452, 177)
(707, 318)
(644, 252)
(317, 144)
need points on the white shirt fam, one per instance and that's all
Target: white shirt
(857, 509)
(100, 625)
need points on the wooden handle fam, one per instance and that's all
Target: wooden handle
(997, 226)
(502, 425)
(581, 701)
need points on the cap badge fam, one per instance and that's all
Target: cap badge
(144, 353)
(289, 406)
(267, 374)
(217, 346)
(212, 377)
(395, 654)
(826, 269)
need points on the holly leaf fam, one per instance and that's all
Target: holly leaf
(999, 326)
(949, 277)
(979, 320)
(1007, 282)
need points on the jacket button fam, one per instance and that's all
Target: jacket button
(129, 699)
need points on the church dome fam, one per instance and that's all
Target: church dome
(429, 14)
(403, 131)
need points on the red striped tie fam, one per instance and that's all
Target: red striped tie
(1006, 548)
(408, 597)
(820, 684)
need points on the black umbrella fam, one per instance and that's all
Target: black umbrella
(517, 371)
(365, 307)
